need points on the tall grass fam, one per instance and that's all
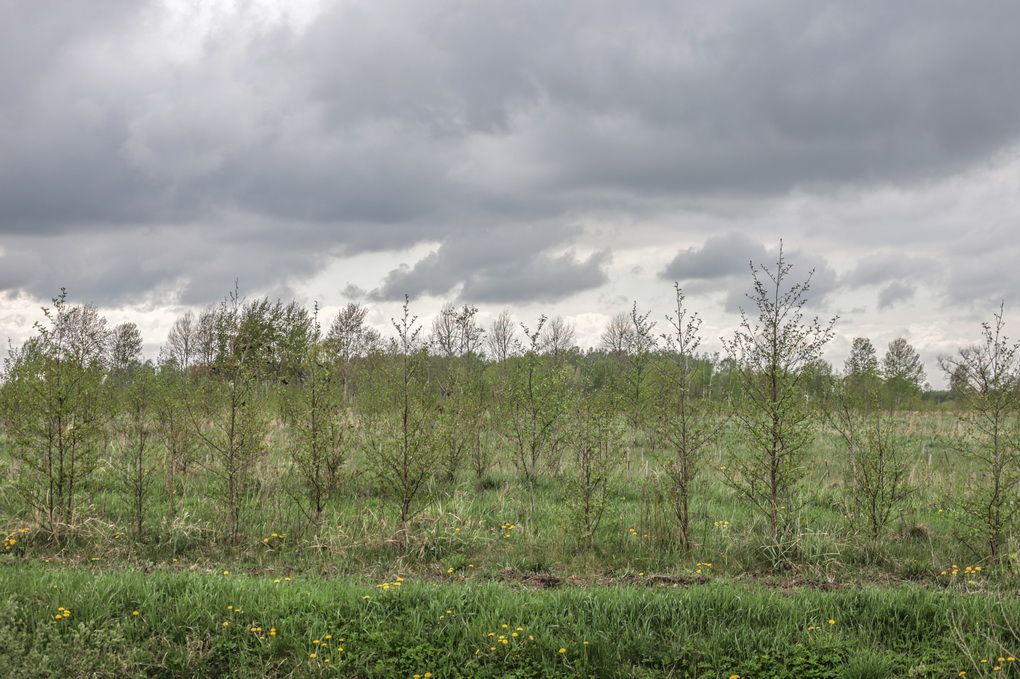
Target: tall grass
(463, 523)
(457, 628)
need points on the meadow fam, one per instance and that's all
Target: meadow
(273, 501)
(479, 565)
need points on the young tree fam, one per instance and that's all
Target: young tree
(877, 477)
(324, 428)
(227, 414)
(458, 368)
(173, 406)
(594, 446)
(634, 372)
(988, 377)
(348, 340)
(903, 372)
(685, 424)
(861, 372)
(181, 342)
(559, 337)
(616, 335)
(134, 433)
(534, 399)
(125, 348)
(401, 446)
(771, 354)
(500, 340)
(55, 404)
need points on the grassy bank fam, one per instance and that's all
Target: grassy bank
(76, 622)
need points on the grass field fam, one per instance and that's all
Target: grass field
(819, 600)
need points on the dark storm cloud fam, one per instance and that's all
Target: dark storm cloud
(504, 265)
(728, 264)
(240, 147)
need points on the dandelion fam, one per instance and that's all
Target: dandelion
(563, 650)
(134, 612)
(366, 597)
(311, 655)
(832, 622)
(226, 572)
(226, 623)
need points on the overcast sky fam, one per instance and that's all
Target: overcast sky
(566, 158)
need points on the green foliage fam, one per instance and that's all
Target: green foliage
(134, 438)
(55, 404)
(988, 381)
(227, 412)
(594, 445)
(534, 400)
(685, 423)
(324, 430)
(903, 373)
(772, 354)
(401, 436)
(876, 471)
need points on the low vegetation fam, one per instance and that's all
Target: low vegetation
(272, 499)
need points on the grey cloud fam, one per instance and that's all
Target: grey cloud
(257, 150)
(884, 267)
(984, 270)
(719, 257)
(723, 264)
(897, 291)
(504, 265)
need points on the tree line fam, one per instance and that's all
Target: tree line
(422, 406)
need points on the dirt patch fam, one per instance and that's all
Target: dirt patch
(547, 581)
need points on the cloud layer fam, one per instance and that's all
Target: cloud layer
(158, 151)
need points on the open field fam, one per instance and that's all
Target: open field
(741, 602)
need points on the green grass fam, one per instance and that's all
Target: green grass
(449, 627)
(740, 603)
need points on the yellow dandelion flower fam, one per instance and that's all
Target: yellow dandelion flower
(134, 612)
(563, 650)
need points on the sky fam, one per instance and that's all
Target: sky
(569, 158)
